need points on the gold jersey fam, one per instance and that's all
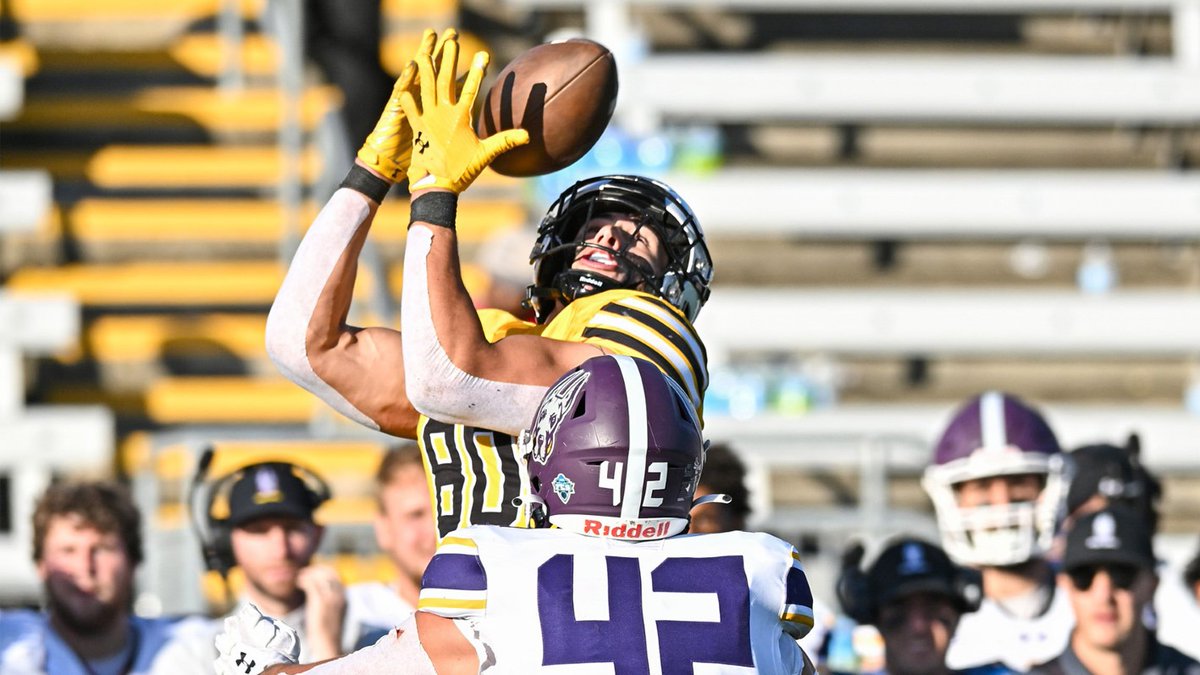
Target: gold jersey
(474, 474)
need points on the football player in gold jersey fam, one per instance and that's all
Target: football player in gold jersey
(620, 267)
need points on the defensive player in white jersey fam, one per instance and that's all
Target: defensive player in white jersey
(611, 583)
(997, 483)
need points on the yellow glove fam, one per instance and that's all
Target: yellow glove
(446, 152)
(389, 146)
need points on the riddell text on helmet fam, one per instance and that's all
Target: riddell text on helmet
(624, 531)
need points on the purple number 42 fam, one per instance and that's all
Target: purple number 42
(621, 639)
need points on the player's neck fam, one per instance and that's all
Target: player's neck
(94, 644)
(1007, 583)
(1129, 657)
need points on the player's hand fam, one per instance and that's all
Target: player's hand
(324, 610)
(446, 152)
(252, 642)
(388, 147)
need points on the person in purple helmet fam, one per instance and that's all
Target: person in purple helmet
(610, 582)
(998, 485)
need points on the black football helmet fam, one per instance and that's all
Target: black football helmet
(685, 277)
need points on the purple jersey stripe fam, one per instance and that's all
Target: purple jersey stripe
(456, 571)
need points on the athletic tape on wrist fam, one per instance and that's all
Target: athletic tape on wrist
(361, 180)
(434, 208)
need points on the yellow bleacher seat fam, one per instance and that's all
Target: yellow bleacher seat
(158, 283)
(228, 400)
(95, 221)
(204, 54)
(186, 283)
(35, 11)
(166, 166)
(22, 53)
(120, 338)
(249, 110)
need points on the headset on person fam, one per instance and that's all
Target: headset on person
(214, 533)
(859, 599)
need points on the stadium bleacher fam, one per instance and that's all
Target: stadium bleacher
(875, 189)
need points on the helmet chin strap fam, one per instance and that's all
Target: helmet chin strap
(537, 509)
(574, 284)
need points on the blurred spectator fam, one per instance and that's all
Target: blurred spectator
(504, 257)
(915, 597)
(997, 482)
(1107, 474)
(273, 538)
(1109, 575)
(723, 473)
(404, 530)
(1191, 576)
(87, 544)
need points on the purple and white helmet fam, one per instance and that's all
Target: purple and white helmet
(615, 451)
(996, 434)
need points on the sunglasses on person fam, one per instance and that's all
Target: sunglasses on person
(1122, 576)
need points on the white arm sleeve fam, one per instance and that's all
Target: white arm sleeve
(435, 386)
(287, 323)
(400, 651)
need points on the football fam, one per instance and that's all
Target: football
(562, 93)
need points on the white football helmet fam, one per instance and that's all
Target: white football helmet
(996, 434)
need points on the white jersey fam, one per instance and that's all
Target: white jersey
(374, 608)
(552, 601)
(162, 646)
(992, 635)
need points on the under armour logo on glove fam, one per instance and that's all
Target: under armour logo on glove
(251, 642)
(420, 144)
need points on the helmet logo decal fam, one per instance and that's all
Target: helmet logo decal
(266, 486)
(1104, 533)
(563, 488)
(914, 560)
(557, 404)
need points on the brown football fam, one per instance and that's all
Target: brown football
(562, 93)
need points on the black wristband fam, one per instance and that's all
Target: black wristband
(434, 208)
(363, 181)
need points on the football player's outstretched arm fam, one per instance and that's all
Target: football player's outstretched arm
(357, 371)
(425, 645)
(454, 374)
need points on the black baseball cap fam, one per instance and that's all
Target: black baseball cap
(911, 566)
(272, 489)
(1102, 469)
(1112, 536)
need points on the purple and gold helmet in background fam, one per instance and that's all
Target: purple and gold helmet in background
(615, 451)
(993, 435)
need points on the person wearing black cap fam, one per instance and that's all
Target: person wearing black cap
(914, 595)
(1109, 576)
(274, 537)
(1105, 474)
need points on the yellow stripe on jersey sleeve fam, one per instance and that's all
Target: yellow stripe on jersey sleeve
(651, 339)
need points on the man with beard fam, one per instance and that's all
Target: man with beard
(273, 538)
(87, 544)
